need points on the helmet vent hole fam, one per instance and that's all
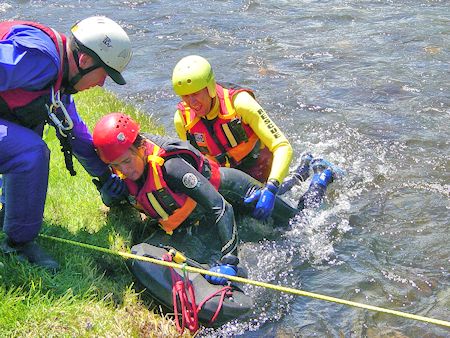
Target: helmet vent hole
(189, 81)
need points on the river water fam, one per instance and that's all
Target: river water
(364, 83)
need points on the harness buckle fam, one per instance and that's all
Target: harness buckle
(65, 123)
(224, 159)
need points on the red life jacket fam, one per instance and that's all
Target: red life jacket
(228, 140)
(155, 198)
(17, 103)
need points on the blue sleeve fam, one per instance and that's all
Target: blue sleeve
(82, 146)
(28, 59)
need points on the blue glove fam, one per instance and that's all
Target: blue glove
(113, 190)
(226, 269)
(266, 200)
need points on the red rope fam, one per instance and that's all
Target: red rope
(183, 291)
(226, 290)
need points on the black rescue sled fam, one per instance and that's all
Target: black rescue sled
(158, 281)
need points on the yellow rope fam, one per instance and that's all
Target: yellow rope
(256, 283)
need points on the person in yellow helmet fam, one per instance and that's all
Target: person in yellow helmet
(227, 124)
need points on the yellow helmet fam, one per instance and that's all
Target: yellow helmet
(191, 74)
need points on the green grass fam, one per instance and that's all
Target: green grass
(94, 294)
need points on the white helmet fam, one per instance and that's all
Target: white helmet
(103, 39)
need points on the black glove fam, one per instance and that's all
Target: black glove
(113, 190)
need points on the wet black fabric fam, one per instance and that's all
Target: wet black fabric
(217, 212)
(205, 240)
(236, 185)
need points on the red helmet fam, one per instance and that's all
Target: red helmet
(113, 135)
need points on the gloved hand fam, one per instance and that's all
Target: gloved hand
(112, 191)
(228, 266)
(266, 200)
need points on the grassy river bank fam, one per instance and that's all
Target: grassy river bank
(93, 295)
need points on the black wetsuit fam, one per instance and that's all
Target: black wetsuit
(214, 208)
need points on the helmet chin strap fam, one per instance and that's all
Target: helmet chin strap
(70, 88)
(213, 102)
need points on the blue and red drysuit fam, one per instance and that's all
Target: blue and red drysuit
(30, 60)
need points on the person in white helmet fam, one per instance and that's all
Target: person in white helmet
(39, 70)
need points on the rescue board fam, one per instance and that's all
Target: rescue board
(157, 279)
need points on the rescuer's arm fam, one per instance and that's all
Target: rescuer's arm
(271, 136)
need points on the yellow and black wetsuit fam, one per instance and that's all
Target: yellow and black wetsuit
(251, 116)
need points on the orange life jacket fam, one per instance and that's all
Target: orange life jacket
(155, 198)
(227, 138)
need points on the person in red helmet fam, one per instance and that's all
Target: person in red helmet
(168, 180)
(189, 195)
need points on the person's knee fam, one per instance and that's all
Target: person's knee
(283, 211)
(36, 159)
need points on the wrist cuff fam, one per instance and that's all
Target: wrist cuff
(104, 177)
(273, 186)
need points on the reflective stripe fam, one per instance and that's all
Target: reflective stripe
(158, 208)
(156, 177)
(155, 161)
(189, 121)
(229, 135)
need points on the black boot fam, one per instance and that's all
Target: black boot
(31, 252)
